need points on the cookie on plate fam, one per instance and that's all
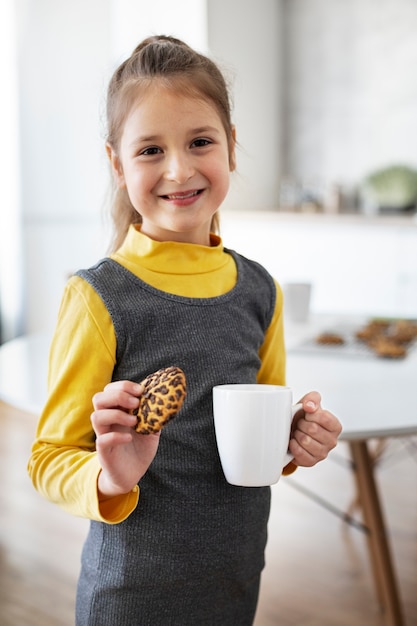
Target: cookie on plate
(388, 348)
(330, 339)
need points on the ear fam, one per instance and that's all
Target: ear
(232, 150)
(116, 167)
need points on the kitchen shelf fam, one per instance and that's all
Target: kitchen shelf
(408, 221)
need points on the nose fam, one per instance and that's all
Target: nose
(179, 167)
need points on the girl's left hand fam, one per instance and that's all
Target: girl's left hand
(314, 432)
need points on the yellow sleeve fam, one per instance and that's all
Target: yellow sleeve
(64, 466)
(272, 355)
(272, 352)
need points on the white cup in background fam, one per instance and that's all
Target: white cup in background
(297, 298)
(253, 426)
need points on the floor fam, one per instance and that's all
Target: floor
(317, 570)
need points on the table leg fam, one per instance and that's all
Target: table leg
(381, 561)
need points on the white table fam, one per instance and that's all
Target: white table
(23, 372)
(372, 397)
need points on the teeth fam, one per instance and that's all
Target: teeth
(182, 196)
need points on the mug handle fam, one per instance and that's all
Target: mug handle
(288, 457)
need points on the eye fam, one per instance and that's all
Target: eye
(151, 151)
(201, 142)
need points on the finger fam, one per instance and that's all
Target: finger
(125, 385)
(105, 420)
(306, 457)
(325, 419)
(316, 442)
(312, 443)
(317, 430)
(115, 396)
(112, 439)
(311, 401)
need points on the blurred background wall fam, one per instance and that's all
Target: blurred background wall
(324, 90)
(350, 96)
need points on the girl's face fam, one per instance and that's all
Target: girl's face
(174, 160)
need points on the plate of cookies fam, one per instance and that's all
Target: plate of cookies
(379, 337)
(388, 338)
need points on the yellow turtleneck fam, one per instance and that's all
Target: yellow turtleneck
(64, 466)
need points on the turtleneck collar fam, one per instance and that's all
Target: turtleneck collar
(170, 257)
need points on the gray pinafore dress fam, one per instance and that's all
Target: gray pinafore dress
(192, 552)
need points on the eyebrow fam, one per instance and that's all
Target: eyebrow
(144, 139)
(205, 129)
(155, 138)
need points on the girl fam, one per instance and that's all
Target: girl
(170, 541)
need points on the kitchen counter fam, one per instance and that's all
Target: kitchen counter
(357, 264)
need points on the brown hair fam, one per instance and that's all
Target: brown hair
(175, 64)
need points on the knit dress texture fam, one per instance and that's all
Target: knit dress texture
(192, 551)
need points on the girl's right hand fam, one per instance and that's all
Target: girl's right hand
(124, 455)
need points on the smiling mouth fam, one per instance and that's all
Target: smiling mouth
(183, 196)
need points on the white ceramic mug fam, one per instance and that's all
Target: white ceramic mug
(297, 298)
(253, 426)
